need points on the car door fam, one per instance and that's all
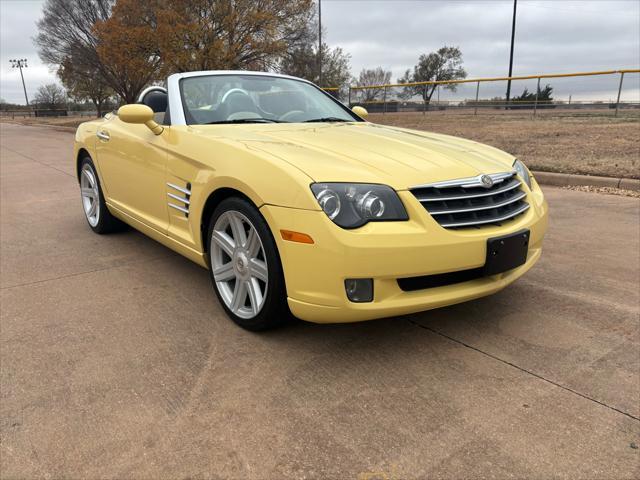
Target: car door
(132, 161)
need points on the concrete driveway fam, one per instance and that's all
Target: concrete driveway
(118, 362)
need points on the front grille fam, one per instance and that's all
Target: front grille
(470, 202)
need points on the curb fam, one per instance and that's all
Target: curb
(566, 179)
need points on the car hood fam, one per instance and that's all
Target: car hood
(367, 152)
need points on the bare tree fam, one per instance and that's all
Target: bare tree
(301, 57)
(66, 32)
(370, 78)
(85, 85)
(70, 33)
(303, 63)
(445, 64)
(50, 96)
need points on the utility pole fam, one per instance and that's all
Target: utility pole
(21, 63)
(320, 43)
(513, 36)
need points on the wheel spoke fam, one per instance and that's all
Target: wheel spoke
(88, 192)
(259, 269)
(239, 296)
(92, 210)
(224, 272)
(253, 243)
(255, 295)
(237, 228)
(224, 241)
(90, 179)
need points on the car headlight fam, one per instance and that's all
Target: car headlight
(523, 171)
(351, 205)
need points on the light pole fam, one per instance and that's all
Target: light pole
(320, 43)
(21, 63)
(513, 36)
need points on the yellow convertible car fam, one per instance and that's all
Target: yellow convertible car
(296, 204)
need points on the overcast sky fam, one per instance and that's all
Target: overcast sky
(552, 36)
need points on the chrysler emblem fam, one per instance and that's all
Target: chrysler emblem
(486, 180)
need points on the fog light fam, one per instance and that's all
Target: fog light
(359, 290)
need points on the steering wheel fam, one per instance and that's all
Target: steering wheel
(233, 91)
(292, 115)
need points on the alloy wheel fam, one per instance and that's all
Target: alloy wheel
(90, 195)
(239, 264)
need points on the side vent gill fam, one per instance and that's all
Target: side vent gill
(180, 200)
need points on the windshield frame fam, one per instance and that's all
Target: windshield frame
(177, 105)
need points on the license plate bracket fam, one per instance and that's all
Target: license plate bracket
(506, 252)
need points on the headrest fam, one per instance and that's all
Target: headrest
(156, 100)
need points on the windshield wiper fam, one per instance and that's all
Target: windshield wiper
(245, 120)
(327, 119)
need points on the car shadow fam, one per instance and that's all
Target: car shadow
(454, 321)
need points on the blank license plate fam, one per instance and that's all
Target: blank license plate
(506, 252)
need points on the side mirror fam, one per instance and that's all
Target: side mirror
(139, 114)
(360, 111)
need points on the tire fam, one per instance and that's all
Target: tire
(247, 274)
(95, 209)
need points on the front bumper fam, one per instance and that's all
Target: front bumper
(385, 251)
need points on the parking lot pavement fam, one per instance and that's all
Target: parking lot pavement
(117, 361)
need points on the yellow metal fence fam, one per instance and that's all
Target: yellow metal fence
(385, 97)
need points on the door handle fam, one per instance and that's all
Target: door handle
(103, 135)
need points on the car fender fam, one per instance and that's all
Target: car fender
(85, 139)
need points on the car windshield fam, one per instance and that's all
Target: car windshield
(237, 99)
